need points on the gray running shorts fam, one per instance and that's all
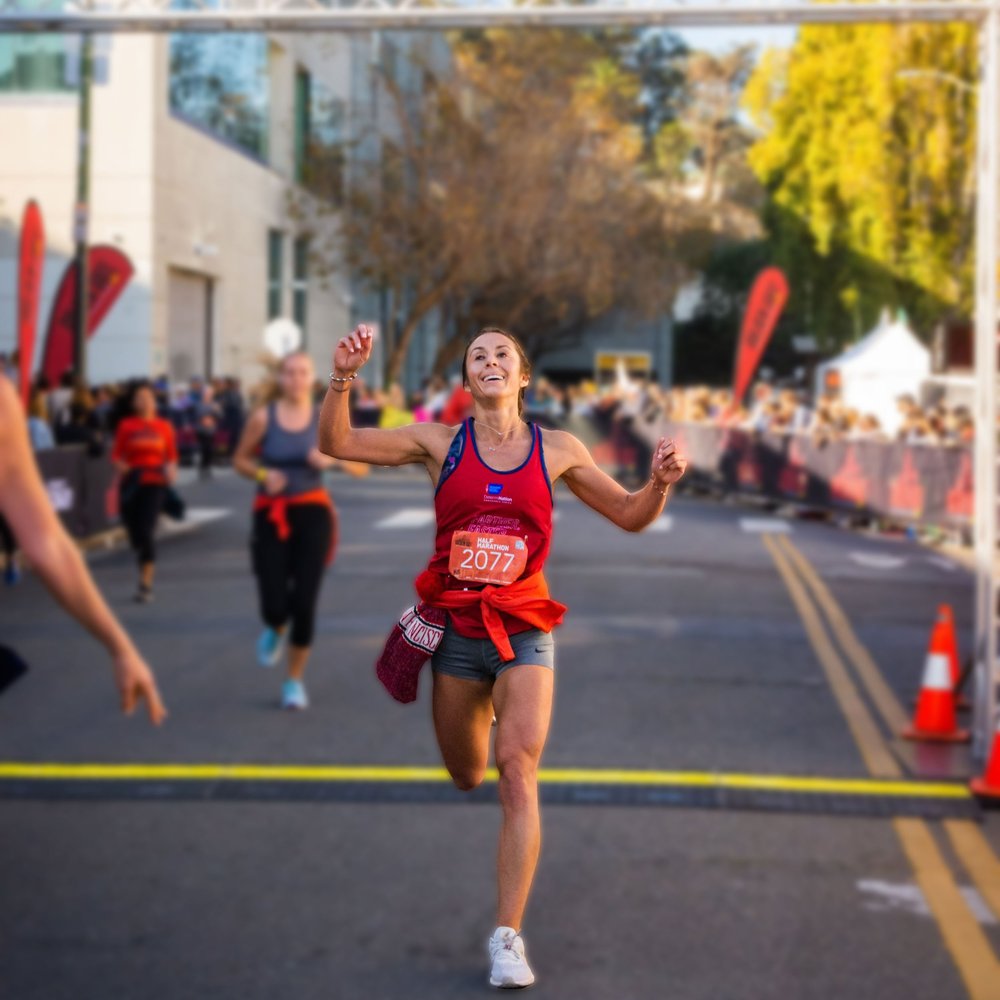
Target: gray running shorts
(478, 659)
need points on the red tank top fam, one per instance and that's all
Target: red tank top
(471, 496)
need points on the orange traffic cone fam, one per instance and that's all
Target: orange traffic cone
(946, 621)
(934, 719)
(988, 785)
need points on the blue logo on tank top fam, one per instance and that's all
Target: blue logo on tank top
(495, 488)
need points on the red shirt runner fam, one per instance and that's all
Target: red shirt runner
(148, 445)
(493, 527)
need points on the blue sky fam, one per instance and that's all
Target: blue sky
(722, 39)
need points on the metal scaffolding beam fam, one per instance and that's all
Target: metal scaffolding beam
(103, 16)
(438, 15)
(987, 712)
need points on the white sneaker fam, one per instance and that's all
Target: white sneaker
(510, 969)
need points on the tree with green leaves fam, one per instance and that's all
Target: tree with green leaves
(866, 150)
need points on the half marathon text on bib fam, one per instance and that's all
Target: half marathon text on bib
(483, 558)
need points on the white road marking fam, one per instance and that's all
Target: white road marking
(979, 907)
(188, 475)
(765, 526)
(877, 560)
(408, 517)
(883, 897)
(942, 563)
(194, 517)
(662, 524)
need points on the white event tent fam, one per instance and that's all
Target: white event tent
(885, 364)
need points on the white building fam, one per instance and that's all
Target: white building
(196, 143)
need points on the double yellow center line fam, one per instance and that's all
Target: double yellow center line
(845, 660)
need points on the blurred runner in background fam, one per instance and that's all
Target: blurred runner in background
(145, 455)
(294, 520)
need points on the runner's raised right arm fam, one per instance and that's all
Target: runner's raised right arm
(416, 443)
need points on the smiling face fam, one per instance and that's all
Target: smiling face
(495, 367)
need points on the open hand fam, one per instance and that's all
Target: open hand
(353, 350)
(668, 464)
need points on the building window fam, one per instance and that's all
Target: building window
(275, 269)
(221, 83)
(303, 87)
(34, 63)
(300, 285)
(319, 138)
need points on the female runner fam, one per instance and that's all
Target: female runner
(145, 453)
(294, 520)
(494, 475)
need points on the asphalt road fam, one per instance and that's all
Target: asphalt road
(684, 652)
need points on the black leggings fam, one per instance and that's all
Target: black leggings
(7, 541)
(290, 572)
(140, 512)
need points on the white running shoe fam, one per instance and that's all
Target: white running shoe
(510, 969)
(293, 695)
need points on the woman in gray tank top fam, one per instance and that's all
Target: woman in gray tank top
(294, 520)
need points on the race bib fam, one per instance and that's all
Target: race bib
(482, 558)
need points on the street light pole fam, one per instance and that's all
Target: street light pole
(81, 213)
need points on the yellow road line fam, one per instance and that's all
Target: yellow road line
(978, 858)
(962, 934)
(974, 850)
(963, 937)
(877, 758)
(12, 770)
(868, 672)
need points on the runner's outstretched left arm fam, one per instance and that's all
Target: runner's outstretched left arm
(631, 511)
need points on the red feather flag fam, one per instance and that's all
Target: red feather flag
(109, 272)
(767, 298)
(29, 289)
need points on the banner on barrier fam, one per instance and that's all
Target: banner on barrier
(927, 484)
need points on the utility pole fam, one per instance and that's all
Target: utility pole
(81, 212)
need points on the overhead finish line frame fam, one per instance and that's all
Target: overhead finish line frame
(431, 15)
(86, 17)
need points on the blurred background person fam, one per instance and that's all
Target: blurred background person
(145, 455)
(294, 533)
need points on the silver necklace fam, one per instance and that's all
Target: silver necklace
(502, 434)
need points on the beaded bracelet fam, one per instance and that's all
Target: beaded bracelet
(652, 482)
(337, 378)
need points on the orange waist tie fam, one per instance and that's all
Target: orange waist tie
(527, 599)
(277, 512)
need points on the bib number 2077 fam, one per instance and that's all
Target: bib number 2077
(483, 558)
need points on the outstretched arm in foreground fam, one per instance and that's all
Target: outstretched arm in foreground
(56, 558)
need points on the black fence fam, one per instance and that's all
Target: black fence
(82, 489)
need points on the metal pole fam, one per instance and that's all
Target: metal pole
(985, 448)
(81, 212)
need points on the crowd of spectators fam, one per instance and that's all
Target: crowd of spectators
(783, 410)
(207, 414)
